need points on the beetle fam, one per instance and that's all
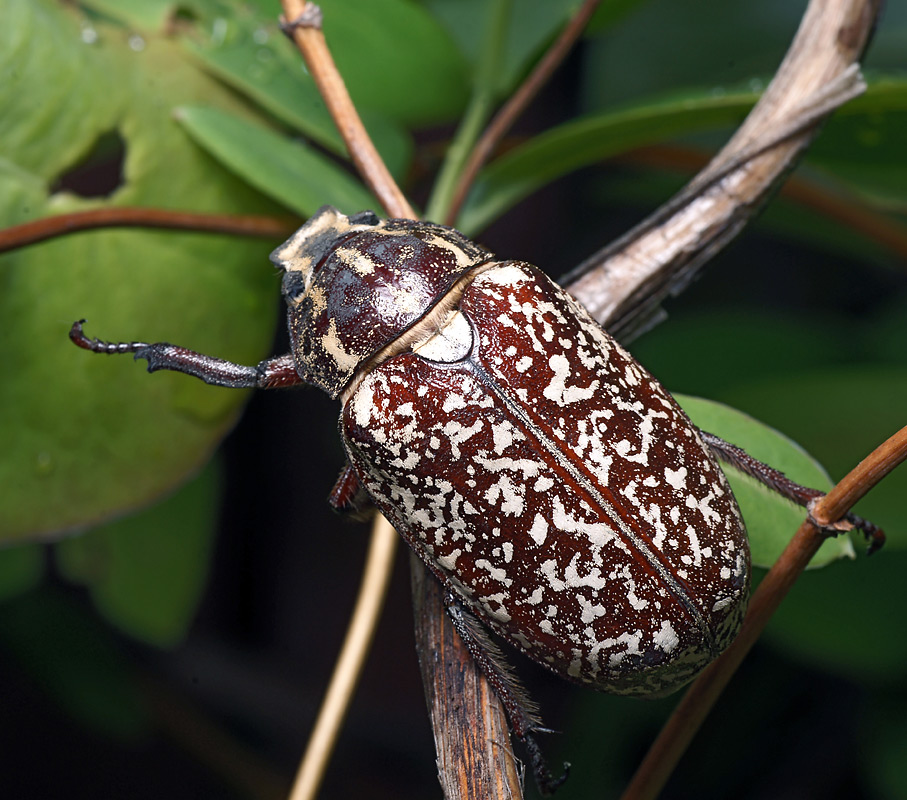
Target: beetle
(552, 485)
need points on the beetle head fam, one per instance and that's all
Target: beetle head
(354, 284)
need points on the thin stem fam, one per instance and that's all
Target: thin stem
(304, 20)
(472, 686)
(695, 705)
(480, 105)
(517, 104)
(40, 230)
(359, 633)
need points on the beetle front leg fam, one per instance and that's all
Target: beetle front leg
(521, 711)
(779, 482)
(269, 374)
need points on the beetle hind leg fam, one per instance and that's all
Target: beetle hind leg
(521, 710)
(778, 482)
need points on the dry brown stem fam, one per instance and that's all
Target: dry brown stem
(305, 21)
(471, 732)
(686, 719)
(40, 230)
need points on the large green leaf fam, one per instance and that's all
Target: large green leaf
(146, 573)
(771, 520)
(89, 437)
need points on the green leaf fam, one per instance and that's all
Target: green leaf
(146, 573)
(845, 618)
(532, 24)
(289, 172)
(862, 147)
(90, 437)
(770, 519)
(380, 46)
(146, 15)
(21, 569)
(251, 54)
(586, 141)
(71, 656)
(840, 414)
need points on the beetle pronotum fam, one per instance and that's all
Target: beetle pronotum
(555, 488)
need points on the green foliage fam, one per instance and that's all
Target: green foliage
(215, 113)
(769, 518)
(288, 171)
(146, 573)
(86, 440)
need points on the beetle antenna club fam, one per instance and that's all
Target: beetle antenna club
(552, 485)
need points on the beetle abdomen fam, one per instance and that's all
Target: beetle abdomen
(553, 483)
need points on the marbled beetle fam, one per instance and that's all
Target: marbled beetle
(546, 479)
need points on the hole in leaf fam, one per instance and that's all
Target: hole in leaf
(100, 172)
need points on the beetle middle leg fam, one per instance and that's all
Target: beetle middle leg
(349, 495)
(521, 711)
(779, 482)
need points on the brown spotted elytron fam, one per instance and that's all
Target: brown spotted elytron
(552, 485)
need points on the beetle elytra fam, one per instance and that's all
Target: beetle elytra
(555, 488)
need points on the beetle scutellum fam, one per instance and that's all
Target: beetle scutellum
(552, 485)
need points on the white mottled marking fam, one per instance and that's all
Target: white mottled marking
(666, 637)
(539, 530)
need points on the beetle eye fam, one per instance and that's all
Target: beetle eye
(293, 286)
(364, 218)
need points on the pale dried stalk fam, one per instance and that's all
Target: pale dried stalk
(658, 257)
(378, 567)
